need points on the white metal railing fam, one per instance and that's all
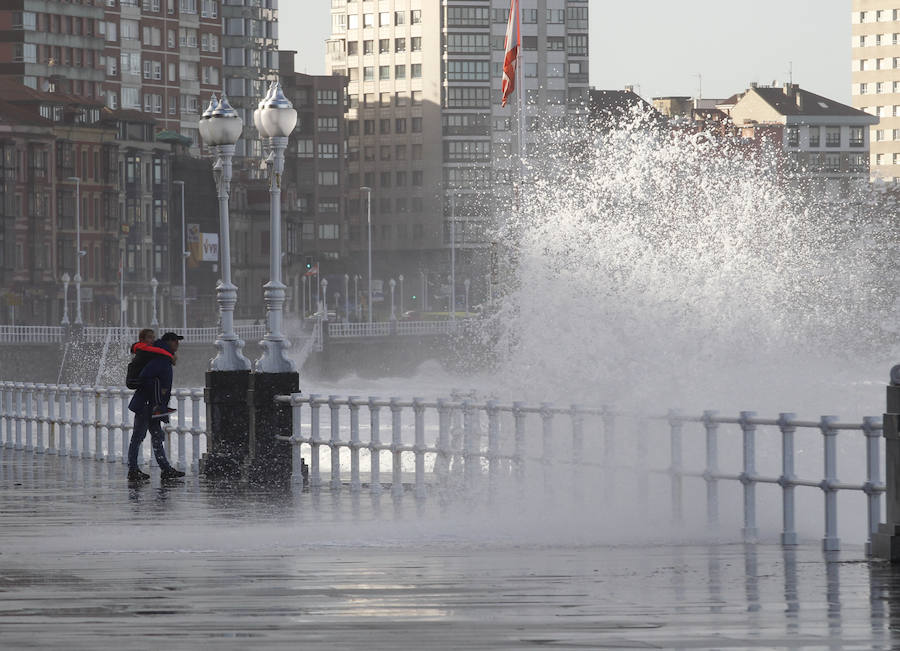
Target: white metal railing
(388, 328)
(93, 422)
(99, 334)
(432, 447)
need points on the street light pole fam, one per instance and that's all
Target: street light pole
(356, 294)
(368, 192)
(65, 316)
(466, 284)
(346, 298)
(401, 294)
(453, 257)
(325, 299)
(78, 252)
(275, 119)
(220, 127)
(184, 256)
(154, 283)
(393, 283)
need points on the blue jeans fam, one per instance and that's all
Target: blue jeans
(143, 422)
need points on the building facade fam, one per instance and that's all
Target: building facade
(425, 127)
(827, 142)
(876, 78)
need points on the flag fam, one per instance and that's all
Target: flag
(314, 271)
(513, 44)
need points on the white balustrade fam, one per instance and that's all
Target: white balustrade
(36, 417)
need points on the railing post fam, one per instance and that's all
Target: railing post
(886, 543)
(547, 445)
(355, 483)
(609, 450)
(471, 460)
(180, 398)
(786, 481)
(748, 476)
(111, 395)
(74, 395)
(375, 445)
(830, 542)
(20, 416)
(712, 468)
(873, 477)
(335, 443)
(676, 468)
(62, 401)
(296, 435)
(419, 412)
(86, 394)
(442, 462)
(4, 423)
(196, 430)
(315, 477)
(52, 425)
(98, 430)
(396, 443)
(519, 449)
(493, 413)
(41, 422)
(29, 417)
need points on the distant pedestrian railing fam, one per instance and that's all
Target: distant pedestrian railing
(99, 334)
(435, 448)
(390, 328)
(93, 422)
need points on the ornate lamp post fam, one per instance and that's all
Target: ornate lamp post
(65, 316)
(154, 283)
(400, 278)
(324, 299)
(220, 127)
(275, 119)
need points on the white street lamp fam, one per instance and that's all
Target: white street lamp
(324, 299)
(423, 303)
(154, 283)
(185, 254)
(65, 316)
(220, 127)
(466, 284)
(368, 192)
(275, 119)
(356, 294)
(78, 252)
(400, 277)
(346, 298)
(392, 283)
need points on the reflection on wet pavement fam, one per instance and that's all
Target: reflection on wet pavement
(88, 562)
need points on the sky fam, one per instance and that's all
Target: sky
(662, 50)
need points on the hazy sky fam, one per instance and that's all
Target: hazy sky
(662, 47)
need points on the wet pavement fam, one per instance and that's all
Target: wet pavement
(89, 562)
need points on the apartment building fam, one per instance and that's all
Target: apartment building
(425, 127)
(826, 142)
(876, 79)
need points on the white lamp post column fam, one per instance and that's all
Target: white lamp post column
(346, 298)
(324, 299)
(400, 278)
(275, 119)
(356, 294)
(220, 127)
(154, 283)
(392, 283)
(65, 316)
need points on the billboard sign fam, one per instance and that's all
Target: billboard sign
(210, 247)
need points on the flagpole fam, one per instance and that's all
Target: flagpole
(520, 73)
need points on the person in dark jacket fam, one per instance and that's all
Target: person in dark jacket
(154, 392)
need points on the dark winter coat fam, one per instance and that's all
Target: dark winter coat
(156, 381)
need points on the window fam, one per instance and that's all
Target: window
(384, 19)
(188, 6)
(468, 97)
(352, 21)
(329, 231)
(369, 127)
(415, 16)
(329, 206)
(400, 125)
(814, 136)
(384, 126)
(368, 20)
(129, 29)
(304, 148)
(415, 71)
(327, 124)
(577, 17)
(352, 48)
(329, 150)
(857, 136)
(211, 75)
(467, 150)
(792, 135)
(399, 45)
(328, 177)
(384, 72)
(468, 16)
(577, 45)
(832, 136)
(209, 9)
(399, 17)
(209, 42)
(187, 37)
(415, 44)
(327, 97)
(556, 16)
(474, 70)
(417, 125)
(529, 16)
(468, 43)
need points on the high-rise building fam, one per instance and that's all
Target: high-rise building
(876, 79)
(425, 127)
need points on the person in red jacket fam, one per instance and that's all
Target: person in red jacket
(144, 350)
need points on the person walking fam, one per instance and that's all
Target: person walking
(150, 407)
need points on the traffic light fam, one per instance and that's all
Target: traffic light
(309, 262)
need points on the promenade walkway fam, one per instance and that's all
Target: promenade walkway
(89, 562)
